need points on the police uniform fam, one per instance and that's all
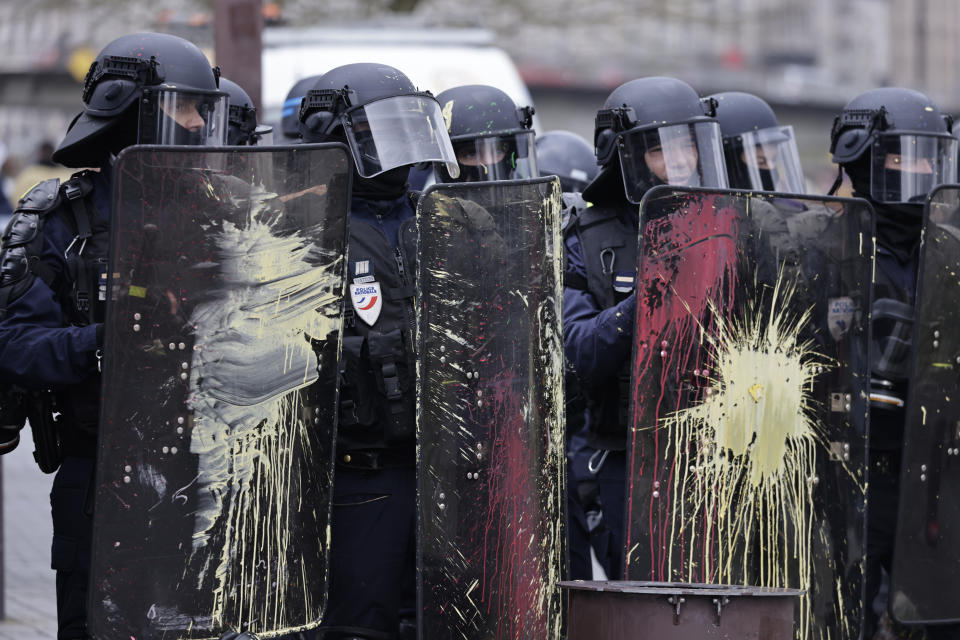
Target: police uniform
(373, 537)
(52, 290)
(599, 307)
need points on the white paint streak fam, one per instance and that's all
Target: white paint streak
(252, 351)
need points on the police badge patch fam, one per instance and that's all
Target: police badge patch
(367, 301)
(840, 313)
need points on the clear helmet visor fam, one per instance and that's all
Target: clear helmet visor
(689, 155)
(765, 160)
(906, 168)
(171, 117)
(509, 156)
(396, 132)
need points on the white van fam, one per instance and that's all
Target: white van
(434, 59)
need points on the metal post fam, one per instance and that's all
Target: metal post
(3, 552)
(237, 25)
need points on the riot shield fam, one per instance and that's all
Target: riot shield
(490, 411)
(219, 391)
(925, 579)
(748, 414)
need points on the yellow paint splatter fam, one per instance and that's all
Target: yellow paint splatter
(748, 453)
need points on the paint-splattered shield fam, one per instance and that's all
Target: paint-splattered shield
(926, 565)
(490, 423)
(748, 411)
(219, 369)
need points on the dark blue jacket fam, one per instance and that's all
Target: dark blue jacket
(38, 347)
(597, 341)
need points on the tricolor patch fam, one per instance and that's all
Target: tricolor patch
(367, 301)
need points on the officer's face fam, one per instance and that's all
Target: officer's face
(472, 156)
(760, 158)
(673, 162)
(186, 114)
(896, 162)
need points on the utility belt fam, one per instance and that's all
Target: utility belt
(373, 459)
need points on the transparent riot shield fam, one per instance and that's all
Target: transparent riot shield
(748, 414)
(490, 412)
(219, 370)
(925, 580)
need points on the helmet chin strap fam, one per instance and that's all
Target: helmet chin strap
(836, 183)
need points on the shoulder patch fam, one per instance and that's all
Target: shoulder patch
(41, 197)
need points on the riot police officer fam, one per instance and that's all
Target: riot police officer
(143, 87)
(243, 128)
(761, 154)
(895, 146)
(567, 156)
(649, 131)
(290, 115)
(389, 126)
(492, 137)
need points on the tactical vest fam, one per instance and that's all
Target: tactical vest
(78, 279)
(608, 239)
(891, 349)
(378, 361)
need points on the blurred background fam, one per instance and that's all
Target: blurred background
(805, 58)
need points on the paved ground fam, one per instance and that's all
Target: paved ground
(27, 531)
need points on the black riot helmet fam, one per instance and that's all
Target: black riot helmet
(242, 127)
(760, 154)
(290, 116)
(662, 133)
(151, 88)
(568, 156)
(492, 138)
(381, 116)
(895, 145)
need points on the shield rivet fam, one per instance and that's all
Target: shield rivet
(180, 431)
(923, 467)
(479, 403)
(442, 348)
(171, 346)
(936, 334)
(126, 479)
(184, 376)
(136, 327)
(137, 317)
(476, 375)
(173, 450)
(923, 477)
(180, 420)
(663, 354)
(181, 346)
(441, 506)
(442, 496)
(166, 449)
(184, 365)
(936, 344)
(128, 468)
(443, 359)
(656, 494)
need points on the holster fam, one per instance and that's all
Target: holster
(47, 450)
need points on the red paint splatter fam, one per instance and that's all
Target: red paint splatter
(687, 262)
